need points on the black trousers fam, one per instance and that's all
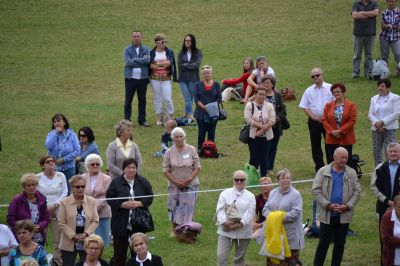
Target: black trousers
(204, 128)
(258, 148)
(131, 86)
(330, 149)
(121, 246)
(69, 257)
(317, 131)
(339, 232)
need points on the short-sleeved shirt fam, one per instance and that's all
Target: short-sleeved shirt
(364, 27)
(315, 98)
(256, 72)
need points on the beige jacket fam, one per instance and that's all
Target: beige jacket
(268, 115)
(322, 191)
(67, 219)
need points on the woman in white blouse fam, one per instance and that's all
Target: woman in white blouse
(53, 186)
(7, 242)
(384, 113)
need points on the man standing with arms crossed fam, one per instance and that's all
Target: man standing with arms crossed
(364, 13)
(137, 60)
(336, 190)
(313, 102)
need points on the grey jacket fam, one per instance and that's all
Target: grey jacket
(133, 60)
(322, 190)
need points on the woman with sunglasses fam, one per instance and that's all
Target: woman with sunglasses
(189, 61)
(62, 143)
(207, 96)
(97, 184)
(88, 146)
(236, 232)
(53, 186)
(162, 67)
(78, 219)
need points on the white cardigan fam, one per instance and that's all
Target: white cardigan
(391, 111)
(246, 204)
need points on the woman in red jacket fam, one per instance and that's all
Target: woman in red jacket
(339, 118)
(390, 234)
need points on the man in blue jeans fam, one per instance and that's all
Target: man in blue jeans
(364, 13)
(137, 60)
(336, 190)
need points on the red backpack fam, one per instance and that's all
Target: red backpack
(209, 149)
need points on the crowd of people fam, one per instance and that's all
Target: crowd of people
(84, 207)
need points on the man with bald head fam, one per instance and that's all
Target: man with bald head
(313, 102)
(336, 190)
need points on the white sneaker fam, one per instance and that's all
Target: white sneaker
(159, 123)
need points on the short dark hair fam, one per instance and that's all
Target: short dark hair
(271, 78)
(88, 132)
(58, 117)
(128, 162)
(338, 85)
(24, 225)
(387, 82)
(44, 158)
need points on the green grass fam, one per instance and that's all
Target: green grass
(67, 57)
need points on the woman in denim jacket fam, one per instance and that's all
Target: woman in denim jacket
(162, 67)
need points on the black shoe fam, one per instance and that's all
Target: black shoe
(144, 124)
(351, 233)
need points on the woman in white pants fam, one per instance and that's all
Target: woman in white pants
(162, 67)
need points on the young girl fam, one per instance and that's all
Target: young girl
(248, 67)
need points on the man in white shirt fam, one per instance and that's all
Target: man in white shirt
(313, 102)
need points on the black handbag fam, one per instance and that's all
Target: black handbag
(222, 113)
(141, 220)
(285, 123)
(245, 130)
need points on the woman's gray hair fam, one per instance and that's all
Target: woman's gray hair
(93, 158)
(75, 179)
(121, 126)
(283, 172)
(176, 131)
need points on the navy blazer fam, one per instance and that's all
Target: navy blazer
(205, 97)
(384, 186)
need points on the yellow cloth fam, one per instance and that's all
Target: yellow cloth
(125, 150)
(277, 246)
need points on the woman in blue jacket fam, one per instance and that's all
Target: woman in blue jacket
(62, 143)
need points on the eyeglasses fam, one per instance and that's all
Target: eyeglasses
(82, 136)
(239, 180)
(315, 76)
(188, 40)
(162, 42)
(49, 161)
(94, 164)
(79, 187)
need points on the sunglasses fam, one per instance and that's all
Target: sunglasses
(315, 76)
(82, 136)
(162, 42)
(79, 187)
(49, 161)
(208, 67)
(94, 164)
(239, 180)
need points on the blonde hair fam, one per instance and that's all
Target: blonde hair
(264, 179)
(206, 67)
(140, 235)
(75, 179)
(96, 239)
(121, 126)
(29, 178)
(159, 37)
(283, 172)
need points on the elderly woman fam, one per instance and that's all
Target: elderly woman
(30, 204)
(97, 184)
(189, 61)
(53, 186)
(121, 149)
(287, 198)
(339, 119)
(140, 247)
(384, 113)
(260, 115)
(235, 231)
(162, 67)
(63, 145)
(126, 186)
(390, 234)
(181, 166)
(27, 248)
(88, 146)
(94, 248)
(207, 96)
(78, 219)
(7, 242)
(261, 199)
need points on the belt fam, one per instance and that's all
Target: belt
(160, 78)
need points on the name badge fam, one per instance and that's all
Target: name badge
(185, 156)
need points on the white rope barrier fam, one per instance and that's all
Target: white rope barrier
(199, 191)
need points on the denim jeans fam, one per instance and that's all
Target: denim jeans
(68, 174)
(187, 88)
(103, 230)
(360, 42)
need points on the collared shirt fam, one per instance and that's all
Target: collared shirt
(367, 26)
(393, 169)
(125, 150)
(391, 17)
(315, 98)
(148, 257)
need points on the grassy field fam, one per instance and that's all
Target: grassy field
(66, 56)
